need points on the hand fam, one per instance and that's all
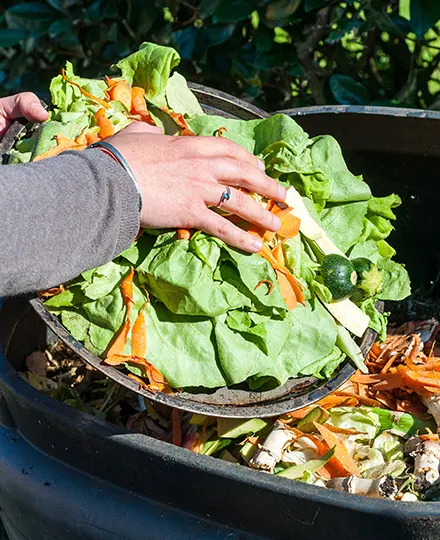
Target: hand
(181, 177)
(24, 105)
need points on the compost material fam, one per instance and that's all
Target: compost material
(363, 439)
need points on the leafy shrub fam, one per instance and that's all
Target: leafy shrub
(276, 53)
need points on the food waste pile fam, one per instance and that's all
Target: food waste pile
(375, 436)
(296, 309)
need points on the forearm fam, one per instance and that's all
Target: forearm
(62, 216)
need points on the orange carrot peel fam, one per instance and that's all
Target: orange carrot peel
(87, 94)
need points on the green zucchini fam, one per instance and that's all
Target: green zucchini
(361, 265)
(339, 276)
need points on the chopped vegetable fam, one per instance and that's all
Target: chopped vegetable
(339, 276)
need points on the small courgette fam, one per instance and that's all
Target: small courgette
(339, 276)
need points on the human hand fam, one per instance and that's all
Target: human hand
(181, 177)
(24, 105)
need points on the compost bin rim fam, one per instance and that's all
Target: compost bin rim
(181, 456)
(361, 109)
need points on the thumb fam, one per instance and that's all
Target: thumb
(25, 105)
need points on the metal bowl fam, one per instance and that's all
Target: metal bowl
(234, 401)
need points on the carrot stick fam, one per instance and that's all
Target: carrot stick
(87, 94)
(139, 335)
(331, 469)
(280, 209)
(127, 288)
(111, 82)
(121, 92)
(278, 254)
(91, 138)
(385, 399)
(361, 399)
(117, 347)
(341, 453)
(295, 286)
(376, 350)
(389, 363)
(287, 291)
(81, 139)
(63, 144)
(55, 151)
(78, 148)
(106, 128)
(219, 132)
(184, 234)
(289, 226)
(138, 105)
(140, 382)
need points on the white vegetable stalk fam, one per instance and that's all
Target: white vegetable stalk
(426, 456)
(432, 403)
(308, 225)
(345, 312)
(271, 451)
(385, 487)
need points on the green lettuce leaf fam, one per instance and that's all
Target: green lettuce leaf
(49, 130)
(184, 282)
(344, 223)
(183, 348)
(64, 94)
(150, 68)
(180, 98)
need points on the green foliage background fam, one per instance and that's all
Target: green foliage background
(275, 53)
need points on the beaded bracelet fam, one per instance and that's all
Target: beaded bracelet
(117, 156)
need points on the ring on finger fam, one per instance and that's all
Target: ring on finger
(226, 195)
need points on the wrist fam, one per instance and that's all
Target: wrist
(110, 150)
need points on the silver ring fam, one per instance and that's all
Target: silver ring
(226, 195)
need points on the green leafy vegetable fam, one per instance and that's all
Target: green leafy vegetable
(150, 68)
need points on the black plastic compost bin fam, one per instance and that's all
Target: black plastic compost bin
(65, 475)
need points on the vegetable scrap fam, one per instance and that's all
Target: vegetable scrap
(215, 316)
(348, 442)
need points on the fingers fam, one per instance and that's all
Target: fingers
(220, 227)
(25, 105)
(211, 147)
(244, 206)
(236, 173)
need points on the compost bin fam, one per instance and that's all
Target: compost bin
(65, 475)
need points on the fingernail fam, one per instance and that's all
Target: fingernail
(256, 244)
(261, 165)
(282, 192)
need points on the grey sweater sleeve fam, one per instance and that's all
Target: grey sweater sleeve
(61, 216)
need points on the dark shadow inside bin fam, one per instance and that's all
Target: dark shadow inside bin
(396, 151)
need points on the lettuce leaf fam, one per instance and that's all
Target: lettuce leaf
(150, 68)
(65, 95)
(180, 98)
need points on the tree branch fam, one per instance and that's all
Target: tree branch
(306, 55)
